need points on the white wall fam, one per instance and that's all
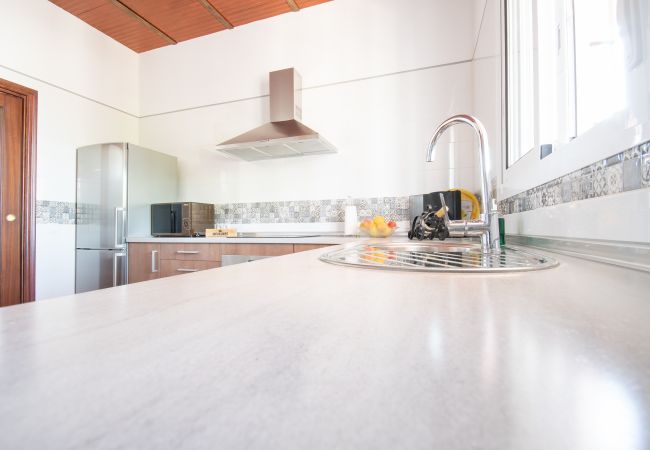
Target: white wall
(88, 92)
(44, 41)
(331, 42)
(486, 78)
(378, 78)
(620, 217)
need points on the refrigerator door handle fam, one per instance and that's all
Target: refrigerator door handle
(119, 227)
(115, 270)
(154, 257)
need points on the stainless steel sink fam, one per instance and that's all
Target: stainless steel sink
(437, 257)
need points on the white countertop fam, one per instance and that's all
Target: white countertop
(294, 353)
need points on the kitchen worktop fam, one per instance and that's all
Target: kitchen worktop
(294, 353)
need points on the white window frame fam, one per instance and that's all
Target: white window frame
(616, 134)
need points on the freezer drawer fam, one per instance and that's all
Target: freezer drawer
(99, 269)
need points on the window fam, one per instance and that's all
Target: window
(599, 62)
(565, 70)
(541, 74)
(521, 79)
(577, 76)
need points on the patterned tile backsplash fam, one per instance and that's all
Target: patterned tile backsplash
(625, 171)
(303, 211)
(310, 211)
(55, 212)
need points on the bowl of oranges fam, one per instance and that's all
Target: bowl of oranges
(377, 227)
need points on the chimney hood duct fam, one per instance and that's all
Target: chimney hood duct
(284, 136)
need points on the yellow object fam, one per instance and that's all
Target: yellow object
(377, 227)
(466, 195)
(440, 213)
(221, 232)
(366, 224)
(374, 255)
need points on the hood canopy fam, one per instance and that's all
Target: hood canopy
(285, 136)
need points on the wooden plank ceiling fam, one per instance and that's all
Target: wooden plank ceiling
(143, 25)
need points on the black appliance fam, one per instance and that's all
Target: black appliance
(425, 224)
(421, 203)
(181, 219)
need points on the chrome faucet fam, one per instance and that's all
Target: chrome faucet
(487, 226)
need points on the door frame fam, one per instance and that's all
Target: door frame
(28, 213)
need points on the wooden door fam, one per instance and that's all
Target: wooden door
(144, 262)
(17, 115)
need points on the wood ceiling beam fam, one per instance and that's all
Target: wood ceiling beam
(143, 21)
(215, 12)
(293, 5)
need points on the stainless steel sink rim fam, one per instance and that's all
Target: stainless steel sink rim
(437, 257)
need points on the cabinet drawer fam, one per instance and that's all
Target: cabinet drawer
(169, 267)
(191, 252)
(305, 247)
(257, 249)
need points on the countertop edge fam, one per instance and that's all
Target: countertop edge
(325, 240)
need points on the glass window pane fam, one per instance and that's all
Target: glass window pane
(555, 67)
(521, 78)
(600, 68)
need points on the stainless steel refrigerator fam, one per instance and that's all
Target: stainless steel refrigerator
(116, 184)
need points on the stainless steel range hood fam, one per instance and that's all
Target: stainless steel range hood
(284, 136)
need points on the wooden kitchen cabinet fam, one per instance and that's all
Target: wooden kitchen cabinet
(144, 262)
(191, 252)
(150, 261)
(257, 249)
(170, 267)
(178, 259)
(304, 247)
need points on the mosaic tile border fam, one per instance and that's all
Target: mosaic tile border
(48, 211)
(310, 211)
(302, 211)
(622, 172)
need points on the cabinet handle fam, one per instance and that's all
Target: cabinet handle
(187, 270)
(188, 252)
(154, 258)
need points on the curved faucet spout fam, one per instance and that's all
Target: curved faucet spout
(484, 152)
(488, 217)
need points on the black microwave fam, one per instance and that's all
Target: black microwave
(181, 219)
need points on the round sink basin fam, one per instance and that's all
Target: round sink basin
(437, 257)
